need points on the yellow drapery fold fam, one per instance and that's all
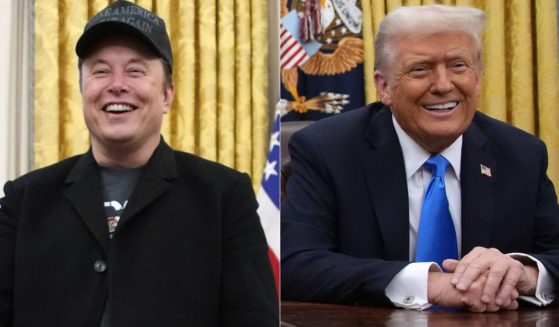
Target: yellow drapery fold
(547, 74)
(220, 51)
(521, 70)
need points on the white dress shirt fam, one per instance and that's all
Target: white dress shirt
(408, 289)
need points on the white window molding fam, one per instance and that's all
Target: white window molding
(274, 76)
(16, 88)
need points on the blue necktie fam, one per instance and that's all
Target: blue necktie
(436, 237)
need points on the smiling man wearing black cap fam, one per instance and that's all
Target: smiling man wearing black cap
(132, 233)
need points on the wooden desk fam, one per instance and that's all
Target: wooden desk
(298, 314)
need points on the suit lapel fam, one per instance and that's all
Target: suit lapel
(385, 176)
(478, 190)
(154, 182)
(85, 195)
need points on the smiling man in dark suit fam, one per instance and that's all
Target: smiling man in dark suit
(421, 200)
(132, 233)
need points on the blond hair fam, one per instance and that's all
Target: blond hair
(426, 20)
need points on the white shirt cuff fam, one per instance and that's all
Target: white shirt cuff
(408, 289)
(544, 286)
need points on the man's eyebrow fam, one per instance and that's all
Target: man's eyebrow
(137, 60)
(419, 60)
(97, 61)
(131, 61)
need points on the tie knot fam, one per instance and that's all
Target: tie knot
(437, 164)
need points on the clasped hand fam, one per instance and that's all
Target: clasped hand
(483, 280)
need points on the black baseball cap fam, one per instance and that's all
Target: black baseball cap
(127, 18)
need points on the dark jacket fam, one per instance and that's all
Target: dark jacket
(188, 250)
(345, 222)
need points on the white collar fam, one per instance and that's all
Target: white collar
(415, 156)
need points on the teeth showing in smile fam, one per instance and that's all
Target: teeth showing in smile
(441, 106)
(118, 108)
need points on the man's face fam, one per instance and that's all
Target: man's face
(432, 86)
(123, 96)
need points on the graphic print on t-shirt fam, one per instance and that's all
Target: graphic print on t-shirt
(114, 210)
(117, 188)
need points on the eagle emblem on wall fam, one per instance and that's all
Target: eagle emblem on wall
(329, 32)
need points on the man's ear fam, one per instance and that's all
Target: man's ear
(381, 83)
(168, 95)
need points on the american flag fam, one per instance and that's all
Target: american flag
(269, 199)
(485, 170)
(293, 51)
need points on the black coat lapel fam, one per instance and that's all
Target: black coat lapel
(155, 180)
(385, 175)
(84, 192)
(478, 190)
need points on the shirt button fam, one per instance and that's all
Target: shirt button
(100, 266)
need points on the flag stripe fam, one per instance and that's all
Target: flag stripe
(268, 200)
(274, 262)
(294, 59)
(269, 218)
(290, 47)
(301, 60)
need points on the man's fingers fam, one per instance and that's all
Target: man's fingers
(471, 298)
(449, 265)
(481, 260)
(491, 275)
(464, 264)
(476, 308)
(512, 306)
(473, 271)
(527, 283)
(515, 294)
(495, 281)
(508, 291)
(492, 307)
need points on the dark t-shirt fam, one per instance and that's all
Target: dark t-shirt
(118, 184)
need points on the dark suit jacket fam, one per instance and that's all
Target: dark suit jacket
(188, 251)
(345, 218)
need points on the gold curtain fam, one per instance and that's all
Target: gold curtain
(220, 50)
(521, 69)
